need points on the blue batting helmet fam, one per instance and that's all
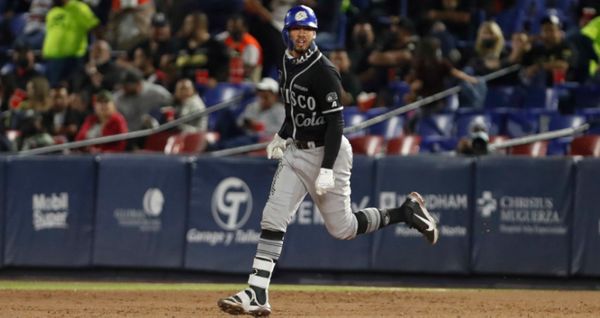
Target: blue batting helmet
(298, 16)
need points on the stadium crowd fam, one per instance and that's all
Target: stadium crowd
(80, 69)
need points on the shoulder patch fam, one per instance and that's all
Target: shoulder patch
(331, 97)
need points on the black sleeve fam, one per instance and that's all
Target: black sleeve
(327, 92)
(285, 131)
(333, 138)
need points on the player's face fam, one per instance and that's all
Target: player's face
(302, 38)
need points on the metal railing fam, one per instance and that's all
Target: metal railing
(259, 146)
(134, 134)
(379, 118)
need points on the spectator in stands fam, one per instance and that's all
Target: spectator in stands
(105, 121)
(38, 95)
(245, 53)
(129, 23)
(16, 74)
(491, 55)
(520, 44)
(101, 73)
(161, 45)
(202, 57)
(362, 45)
(454, 14)
(430, 73)
(186, 102)
(393, 58)
(137, 99)
(32, 133)
(266, 25)
(67, 26)
(62, 119)
(35, 24)
(142, 60)
(350, 81)
(548, 62)
(265, 115)
(587, 45)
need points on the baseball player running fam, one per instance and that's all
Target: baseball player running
(314, 158)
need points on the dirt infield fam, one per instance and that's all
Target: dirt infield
(380, 303)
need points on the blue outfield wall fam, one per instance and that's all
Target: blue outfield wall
(308, 245)
(523, 221)
(445, 184)
(51, 204)
(586, 219)
(498, 215)
(226, 201)
(141, 211)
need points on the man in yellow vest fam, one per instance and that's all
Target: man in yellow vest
(67, 26)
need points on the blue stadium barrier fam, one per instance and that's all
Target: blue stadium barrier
(141, 209)
(227, 196)
(446, 184)
(586, 220)
(523, 218)
(51, 204)
(308, 245)
(2, 203)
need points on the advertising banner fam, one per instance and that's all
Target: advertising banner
(226, 203)
(586, 219)
(522, 221)
(141, 210)
(308, 245)
(50, 208)
(445, 183)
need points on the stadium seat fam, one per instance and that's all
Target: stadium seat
(436, 125)
(434, 144)
(496, 139)
(559, 146)
(157, 142)
(502, 97)
(352, 118)
(519, 123)
(588, 145)
(369, 145)
(389, 128)
(587, 96)
(186, 143)
(403, 145)
(535, 149)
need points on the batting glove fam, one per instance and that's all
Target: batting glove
(325, 181)
(276, 147)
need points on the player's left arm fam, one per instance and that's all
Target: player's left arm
(327, 93)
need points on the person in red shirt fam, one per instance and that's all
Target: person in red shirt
(105, 121)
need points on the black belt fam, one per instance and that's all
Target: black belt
(301, 144)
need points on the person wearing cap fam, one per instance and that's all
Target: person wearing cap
(549, 60)
(161, 45)
(137, 98)
(105, 121)
(68, 24)
(265, 115)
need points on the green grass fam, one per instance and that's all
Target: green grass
(122, 286)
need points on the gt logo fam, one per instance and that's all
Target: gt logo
(231, 203)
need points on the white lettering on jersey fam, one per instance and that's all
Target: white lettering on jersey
(299, 100)
(302, 121)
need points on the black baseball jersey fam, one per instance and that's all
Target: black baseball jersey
(310, 87)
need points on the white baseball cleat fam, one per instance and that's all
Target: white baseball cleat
(244, 303)
(419, 218)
